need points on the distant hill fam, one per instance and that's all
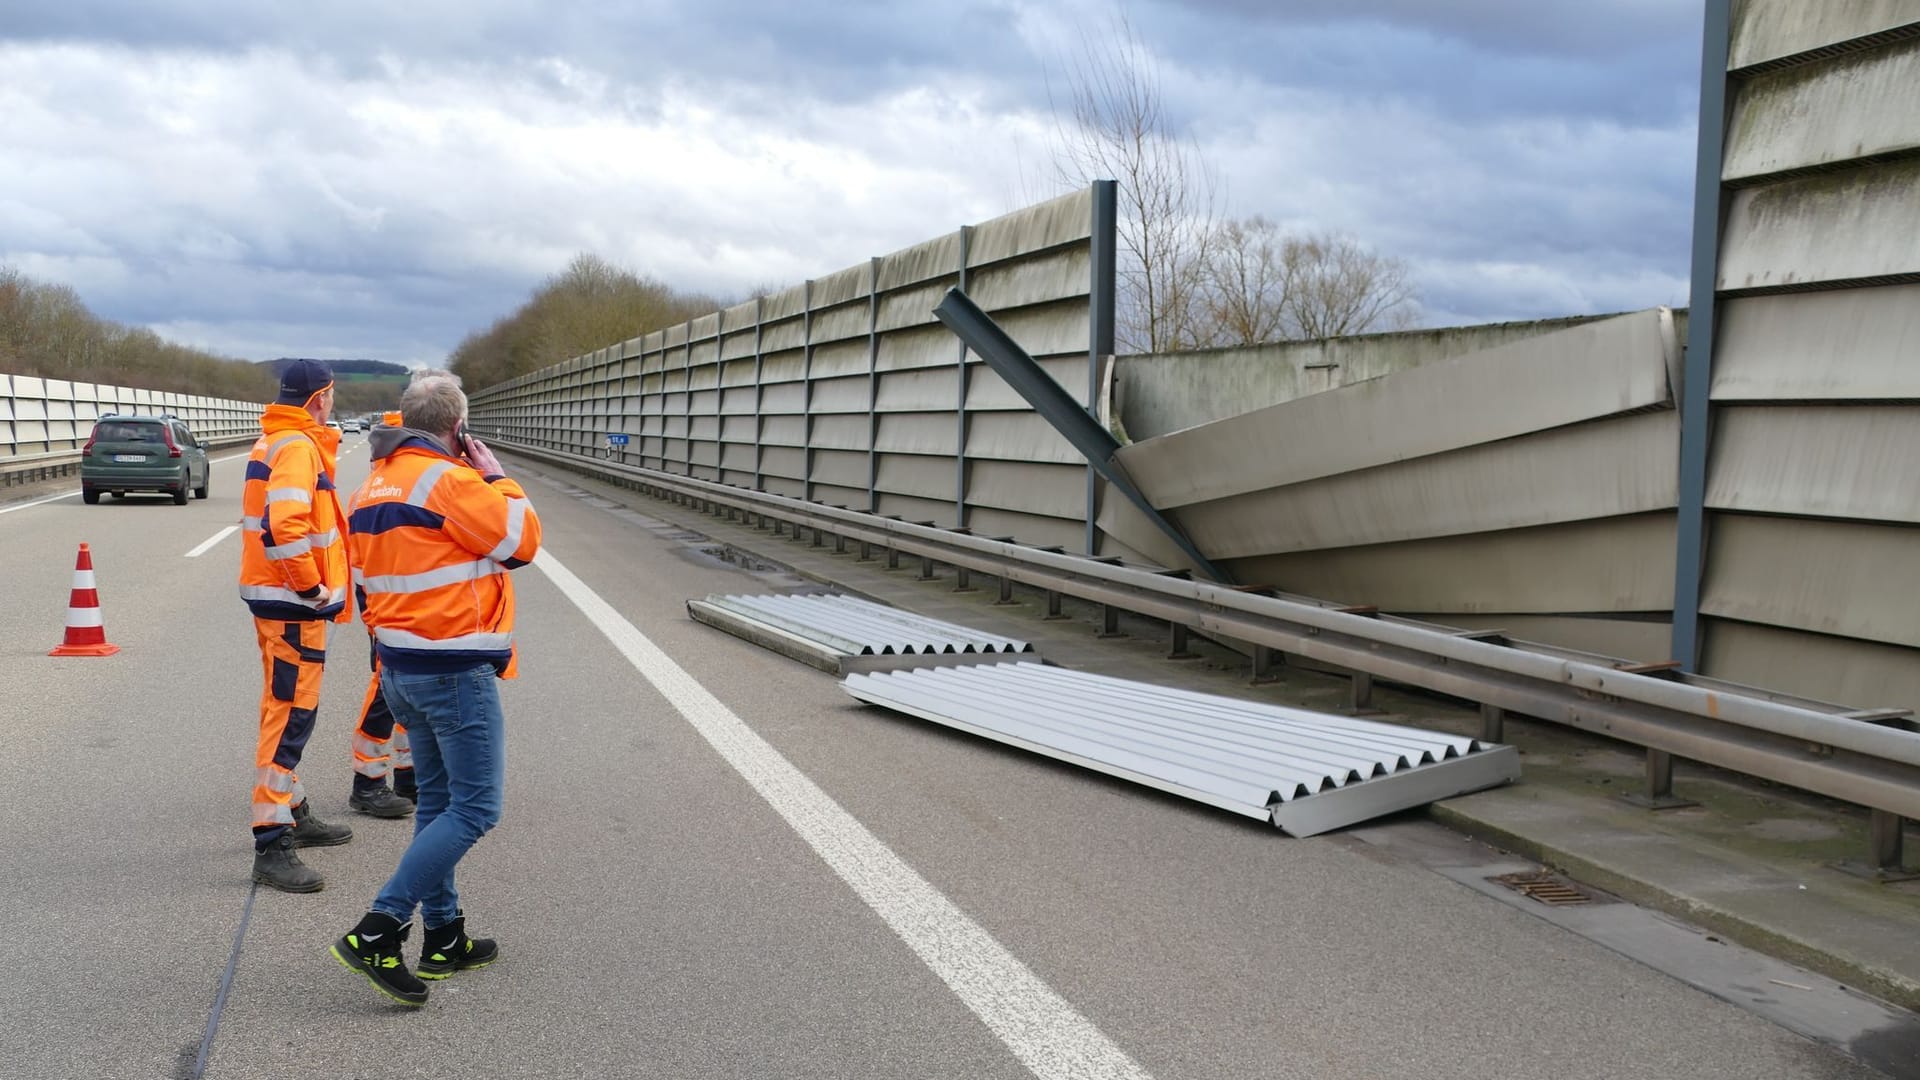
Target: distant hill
(362, 368)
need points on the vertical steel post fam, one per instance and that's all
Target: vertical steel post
(759, 385)
(806, 393)
(1100, 302)
(873, 387)
(1696, 383)
(960, 407)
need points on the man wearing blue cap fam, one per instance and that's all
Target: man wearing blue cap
(293, 576)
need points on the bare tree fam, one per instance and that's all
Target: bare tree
(1247, 282)
(1336, 287)
(1263, 285)
(1116, 127)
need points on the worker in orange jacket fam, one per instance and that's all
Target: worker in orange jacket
(380, 747)
(293, 576)
(435, 530)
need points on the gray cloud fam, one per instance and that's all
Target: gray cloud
(357, 180)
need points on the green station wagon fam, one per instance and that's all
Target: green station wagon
(143, 453)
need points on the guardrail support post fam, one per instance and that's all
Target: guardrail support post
(779, 527)
(1360, 692)
(893, 558)
(1265, 659)
(866, 551)
(926, 568)
(1053, 605)
(1177, 645)
(1109, 621)
(1886, 858)
(839, 544)
(1659, 794)
(1493, 723)
(1006, 592)
(962, 579)
(817, 538)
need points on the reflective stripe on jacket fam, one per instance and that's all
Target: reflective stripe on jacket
(431, 543)
(291, 518)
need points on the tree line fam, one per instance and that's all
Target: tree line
(589, 305)
(48, 332)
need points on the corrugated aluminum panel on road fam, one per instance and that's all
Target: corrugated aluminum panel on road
(824, 629)
(1307, 772)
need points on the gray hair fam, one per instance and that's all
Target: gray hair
(433, 402)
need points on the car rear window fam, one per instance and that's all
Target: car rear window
(127, 431)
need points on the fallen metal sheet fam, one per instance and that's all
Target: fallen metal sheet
(843, 634)
(1305, 771)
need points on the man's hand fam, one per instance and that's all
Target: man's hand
(483, 458)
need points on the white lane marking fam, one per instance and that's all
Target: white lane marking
(1043, 1030)
(216, 538)
(229, 457)
(37, 502)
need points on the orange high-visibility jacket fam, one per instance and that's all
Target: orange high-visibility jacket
(431, 543)
(291, 518)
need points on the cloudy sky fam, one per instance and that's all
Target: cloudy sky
(364, 179)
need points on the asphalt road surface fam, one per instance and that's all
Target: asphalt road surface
(714, 863)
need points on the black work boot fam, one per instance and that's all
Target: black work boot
(310, 831)
(377, 799)
(403, 785)
(447, 949)
(373, 948)
(276, 865)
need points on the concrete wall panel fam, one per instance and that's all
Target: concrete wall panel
(841, 468)
(913, 306)
(908, 508)
(1018, 436)
(847, 431)
(919, 433)
(1062, 276)
(1848, 107)
(1601, 469)
(1833, 577)
(1046, 490)
(1582, 373)
(926, 261)
(1843, 344)
(840, 358)
(1028, 528)
(1844, 461)
(1064, 220)
(1851, 673)
(925, 390)
(1609, 566)
(923, 477)
(841, 286)
(851, 394)
(986, 390)
(1830, 227)
(928, 346)
(1765, 30)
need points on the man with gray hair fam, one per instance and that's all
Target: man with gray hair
(432, 534)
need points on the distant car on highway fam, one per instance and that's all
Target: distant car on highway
(351, 423)
(143, 453)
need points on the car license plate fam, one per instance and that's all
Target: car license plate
(129, 457)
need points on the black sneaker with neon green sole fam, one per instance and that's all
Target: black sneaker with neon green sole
(374, 948)
(447, 949)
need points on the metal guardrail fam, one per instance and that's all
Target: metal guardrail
(1850, 756)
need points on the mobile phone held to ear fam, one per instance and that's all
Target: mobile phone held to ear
(460, 438)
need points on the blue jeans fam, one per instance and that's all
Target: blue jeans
(459, 761)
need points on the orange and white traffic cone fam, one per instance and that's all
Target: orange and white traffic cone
(86, 633)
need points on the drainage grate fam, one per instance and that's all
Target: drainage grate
(1546, 888)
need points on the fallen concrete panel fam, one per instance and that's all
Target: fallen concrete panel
(1306, 772)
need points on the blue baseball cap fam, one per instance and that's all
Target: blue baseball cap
(301, 379)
